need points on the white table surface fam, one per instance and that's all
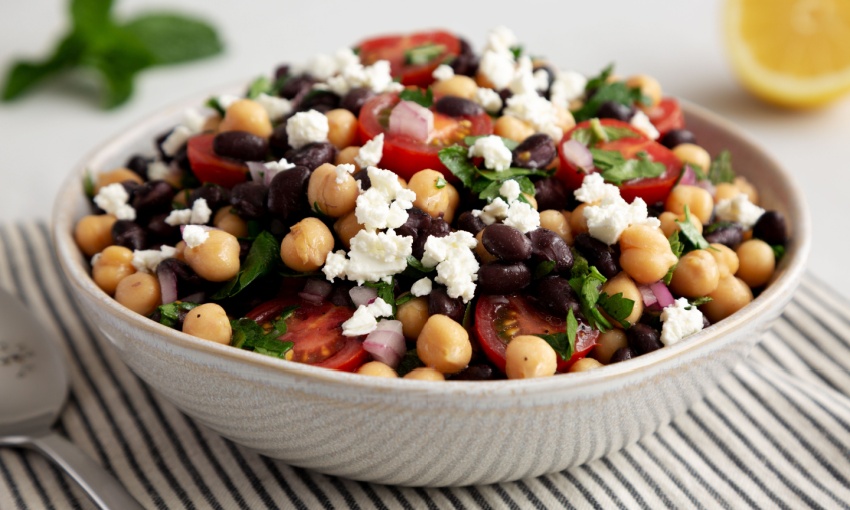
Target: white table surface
(680, 43)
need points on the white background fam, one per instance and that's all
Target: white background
(680, 42)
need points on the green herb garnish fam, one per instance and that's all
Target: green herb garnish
(700, 301)
(261, 260)
(386, 291)
(694, 240)
(169, 313)
(408, 363)
(597, 132)
(603, 91)
(617, 307)
(616, 169)
(249, 335)
(421, 97)
(261, 85)
(585, 282)
(424, 54)
(564, 343)
(440, 183)
(721, 169)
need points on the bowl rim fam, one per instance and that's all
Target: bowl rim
(776, 294)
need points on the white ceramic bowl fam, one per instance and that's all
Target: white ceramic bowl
(418, 432)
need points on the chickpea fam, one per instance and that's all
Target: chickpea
(512, 128)
(669, 222)
(217, 258)
(377, 369)
(342, 128)
(230, 222)
(531, 200)
(621, 283)
(528, 356)
(693, 154)
(648, 86)
(212, 122)
(731, 295)
(608, 343)
(425, 374)
(180, 251)
(210, 322)
(584, 365)
(458, 85)
(93, 233)
(696, 274)
(727, 259)
(346, 228)
(555, 221)
(413, 315)
(330, 197)
(645, 254)
(483, 255)
(444, 345)
(139, 292)
(698, 200)
(113, 264)
(307, 245)
(725, 191)
(756, 262)
(563, 119)
(578, 223)
(744, 186)
(346, 156)
(247, 115)
(431, 199)
(116, 176)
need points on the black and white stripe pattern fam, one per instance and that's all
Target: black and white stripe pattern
(775, 434)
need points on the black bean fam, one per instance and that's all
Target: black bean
(506, 243)
(676, 137)
(153, 197)
(181, 159)
(363, 177)
(215, 195)
(599, 254)
(655, 210)
(439, 302)
(551, 193)
(312, 155)
(320, 100)
(288, 193)
(622, 354)
(726, 233)
(478, 372)
(536, 151)
(354, 100)
(466, 63)
(454, 106)
(281, 72)
(549, 246)
(771, 229)
(241, 145)
(550, 77)
(503, 278)
(139, 165)
(279, 141)
(615, 110)
(418, 222)
(130, 187)
(643, 338)
(555, 295)
(437, 228)
(158, 142)
(188, 282)
(162, 231)
(469, 222)
(129, 234)
(249, 199)
(296, 86)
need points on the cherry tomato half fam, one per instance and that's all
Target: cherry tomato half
(406, 156)
(500, 318)
(316, 332)
(651, 190)
(412, 57)
(666, 116)
(210, 167)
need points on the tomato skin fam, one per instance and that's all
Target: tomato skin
(666, 116)
(404, 155)
(490, 310)
(210, 167)
(393, 48)
(316, 331)
(651, 190)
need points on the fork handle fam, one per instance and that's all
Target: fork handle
(103, 488)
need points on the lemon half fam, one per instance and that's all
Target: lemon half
(794, 53)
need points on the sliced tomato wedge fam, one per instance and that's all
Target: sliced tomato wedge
(666, 116)
(412, 57)
(316, 331)
(498, 319)
(210, 167)
(651, 190)
(406, 156)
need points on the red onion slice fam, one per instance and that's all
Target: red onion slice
(662, 294)
(648, 296)
(689, 178)
(259, 172)
(316, 291)
(577, 154)
(411, 120)
(167, 285)
(361, 295)
(386, 343)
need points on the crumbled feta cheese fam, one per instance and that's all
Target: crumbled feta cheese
(225, 100)
(537, 111)
(371, 152)
(193, 123)
(541, 79)
(501, 38)
(421, 287)
(680, 320)
(276, 107)
(738, 209)
(364, 320)
(335, 264)
(195, 235)
(489, 99)
(113, 198)
(443, 72)
(146, 261)
(607, 221)
(158, 170)
(377, 256)
(343, 170)
(642, 122)
(595, 190)
(496, 155)
(199, 214)
(510, 190)
(567, 87)
(385, 203)
(522, 217)
(322, 67)
(376, 77)
(497, 68)
(523, 81)
(457, 267)
(493, 212)
(275, 167)
(307, 127)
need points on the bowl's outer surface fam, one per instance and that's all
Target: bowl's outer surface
(417, 432)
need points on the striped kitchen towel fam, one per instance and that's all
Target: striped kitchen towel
(774, 434)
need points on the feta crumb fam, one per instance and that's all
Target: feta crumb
(146, 261)
(501, 38)
(307, 127)
(537, 111)
(510, 190)
(680, 320)
(496, 155)
(371, 152)
(335, 264)
(523, 81)
(522, 217)
(113, 198)
(275, 167)
(494, 211)
(457, 267)
(195, 235)
(377, 256)
(443, 72)
(568, 86)
(376, 77)
(489, 99)
(422, 287)
(497, 67)
(642, 122)
(607, 222)
(738, 209)
(276, 107)
(225, 100)
(385, 203)
(199, 214)
(364, 320)
(343, 170)
(158, 170)
(193, 123)
(595, 190)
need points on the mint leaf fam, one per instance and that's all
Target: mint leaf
(721, 169)
(169, 314)
(564, 344)
(617, 307)
(616, 169)
(261, 259)
(456, 160)
(249, 335)
(25, 75)
(173, 38)
(262, 85)
(543, 268)
(424, 54)
(421, 97)
(510, 173)
(90, 15)
(690, 232)
(589, 136)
